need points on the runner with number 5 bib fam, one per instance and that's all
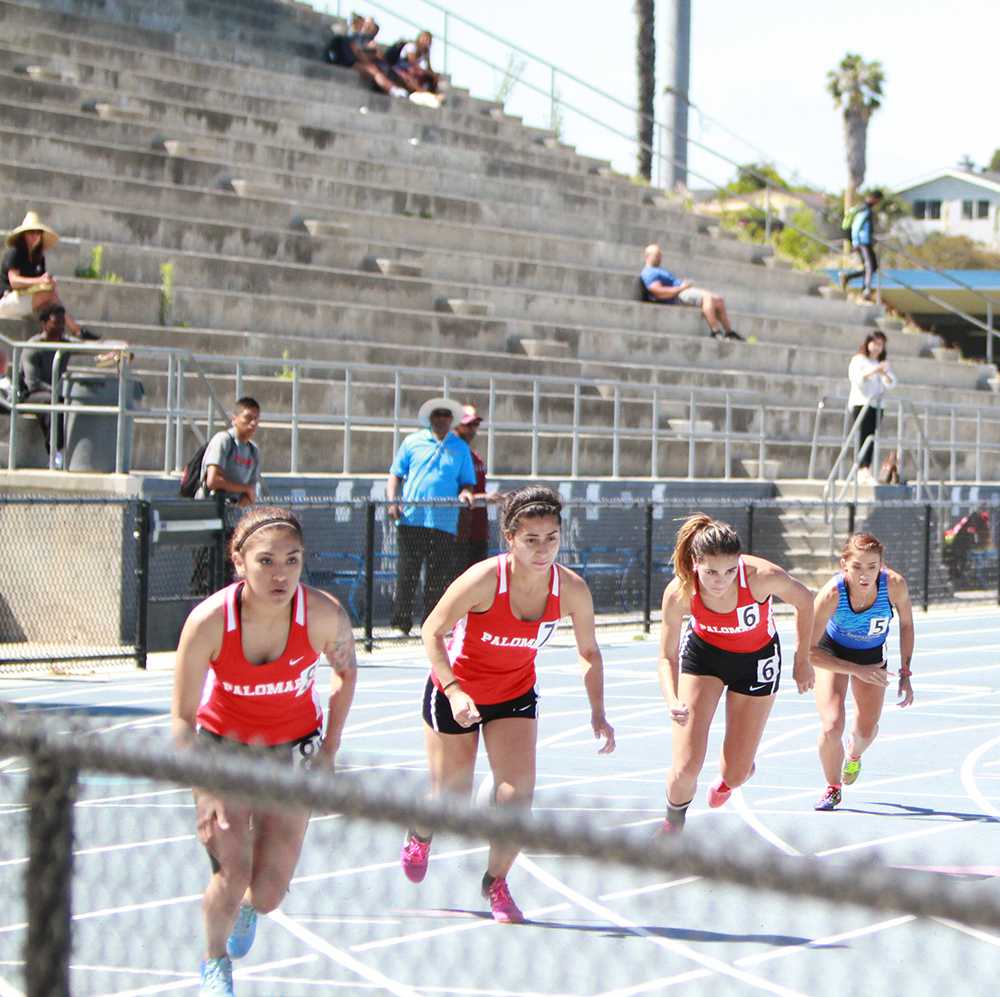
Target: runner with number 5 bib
(482, 638)
(853, 613)
(727, 644)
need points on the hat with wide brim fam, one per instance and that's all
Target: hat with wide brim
(424, 415)
(32, 223)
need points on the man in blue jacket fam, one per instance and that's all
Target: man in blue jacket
(863, 241)
(432, 463)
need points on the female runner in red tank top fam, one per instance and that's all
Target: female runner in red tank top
(499, 613)
(246, 675)
(728, 643)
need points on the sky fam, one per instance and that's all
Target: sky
(758, 71)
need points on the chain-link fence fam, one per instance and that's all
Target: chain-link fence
(102, 580)
(73, 582)
(103, 876)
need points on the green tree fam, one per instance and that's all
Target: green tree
(755, 176)
(645, 68)
(967, 163)
(796, 244)
(856, 88)
(995, 161)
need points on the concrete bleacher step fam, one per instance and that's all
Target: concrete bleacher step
(254, 189)
(464, 307)
(542, 348)
(182, 149)
(116, 112)
(320, 229)
(47, 74)
(393, 268)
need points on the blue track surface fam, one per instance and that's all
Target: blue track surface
(928, 798)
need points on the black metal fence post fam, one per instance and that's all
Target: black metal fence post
(369, 573)
(852, 517)
(927, 556)
(750, 508)
(647, 582)
(51, 795)
(142, 580)
(219, 565)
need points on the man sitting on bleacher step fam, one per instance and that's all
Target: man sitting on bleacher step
(661, 286)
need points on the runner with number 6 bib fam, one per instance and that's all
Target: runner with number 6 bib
(728, 643)
(481, 639)
(853, 612)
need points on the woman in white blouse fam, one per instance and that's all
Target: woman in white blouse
(870, 378)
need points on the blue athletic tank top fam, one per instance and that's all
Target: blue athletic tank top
(866, 629)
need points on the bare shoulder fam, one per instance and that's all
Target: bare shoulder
(897, 585)
(759, 567)
(676, 597)
(570, 581)
(324, 609)
(828, 589)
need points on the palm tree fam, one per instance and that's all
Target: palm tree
(856, 88)
(645, 65)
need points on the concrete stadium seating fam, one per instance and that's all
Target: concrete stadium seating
(304, 217)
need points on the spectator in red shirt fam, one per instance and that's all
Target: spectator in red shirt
(473, 538)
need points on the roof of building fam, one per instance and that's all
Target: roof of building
(987, 178)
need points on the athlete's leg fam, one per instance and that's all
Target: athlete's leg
(831, 691)
(708, 311)
(451, 759)
(277, 845)
(868, 702)
(745, 720)
(689, 742)
(510, 743)
(721, 314)
(231, 851)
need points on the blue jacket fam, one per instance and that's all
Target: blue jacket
(863, 227)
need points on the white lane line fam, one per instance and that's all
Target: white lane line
(477, 923)
(102, 849)
(408, 715)
(652, 888)
(968, 775)
(844, 936)
(669, 945)
(8, 990)
(651, 986)
(924, 832)
(743, 809)
(193, 980)
(977, 933)
(341, 957)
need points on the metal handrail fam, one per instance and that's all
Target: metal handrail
(767, 184)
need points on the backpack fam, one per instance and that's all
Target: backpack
(393, 52)
(848, 221)
(191, 478)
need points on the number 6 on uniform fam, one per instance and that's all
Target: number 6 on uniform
(767, 668)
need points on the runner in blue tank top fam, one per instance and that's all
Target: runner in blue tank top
(850, 628)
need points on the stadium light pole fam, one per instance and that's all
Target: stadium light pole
(677, 73)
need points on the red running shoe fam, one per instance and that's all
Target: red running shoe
(717, 795)
(505, 911)
(414, 857)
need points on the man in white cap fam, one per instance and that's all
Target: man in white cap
(432, 463)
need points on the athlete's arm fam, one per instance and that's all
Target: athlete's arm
(473, 591)
(766, 579)
(578, 604)
(824, 606)
(337, 641)
(899, 594)
(675, 606)
(200, 643)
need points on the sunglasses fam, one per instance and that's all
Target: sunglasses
(440, 413)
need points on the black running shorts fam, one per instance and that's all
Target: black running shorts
(438, 715)
(856, 655)
(754, 674)
(298, 753)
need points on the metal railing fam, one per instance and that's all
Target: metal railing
(557, 104)
(673, 425)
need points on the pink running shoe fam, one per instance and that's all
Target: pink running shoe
(414, 857)
(505, 911)
(717, 795)
(666, 829)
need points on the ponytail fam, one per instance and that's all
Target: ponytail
(701, 536)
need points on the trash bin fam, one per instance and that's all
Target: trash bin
(92, 438)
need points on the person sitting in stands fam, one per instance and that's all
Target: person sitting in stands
(413, 66)
(663, 287)
(358, 50)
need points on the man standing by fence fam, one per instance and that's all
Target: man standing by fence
(432, 463)
(231, 465)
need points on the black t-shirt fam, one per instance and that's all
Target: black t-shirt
(17, 258)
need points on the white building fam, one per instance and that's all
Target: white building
(955, 202)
